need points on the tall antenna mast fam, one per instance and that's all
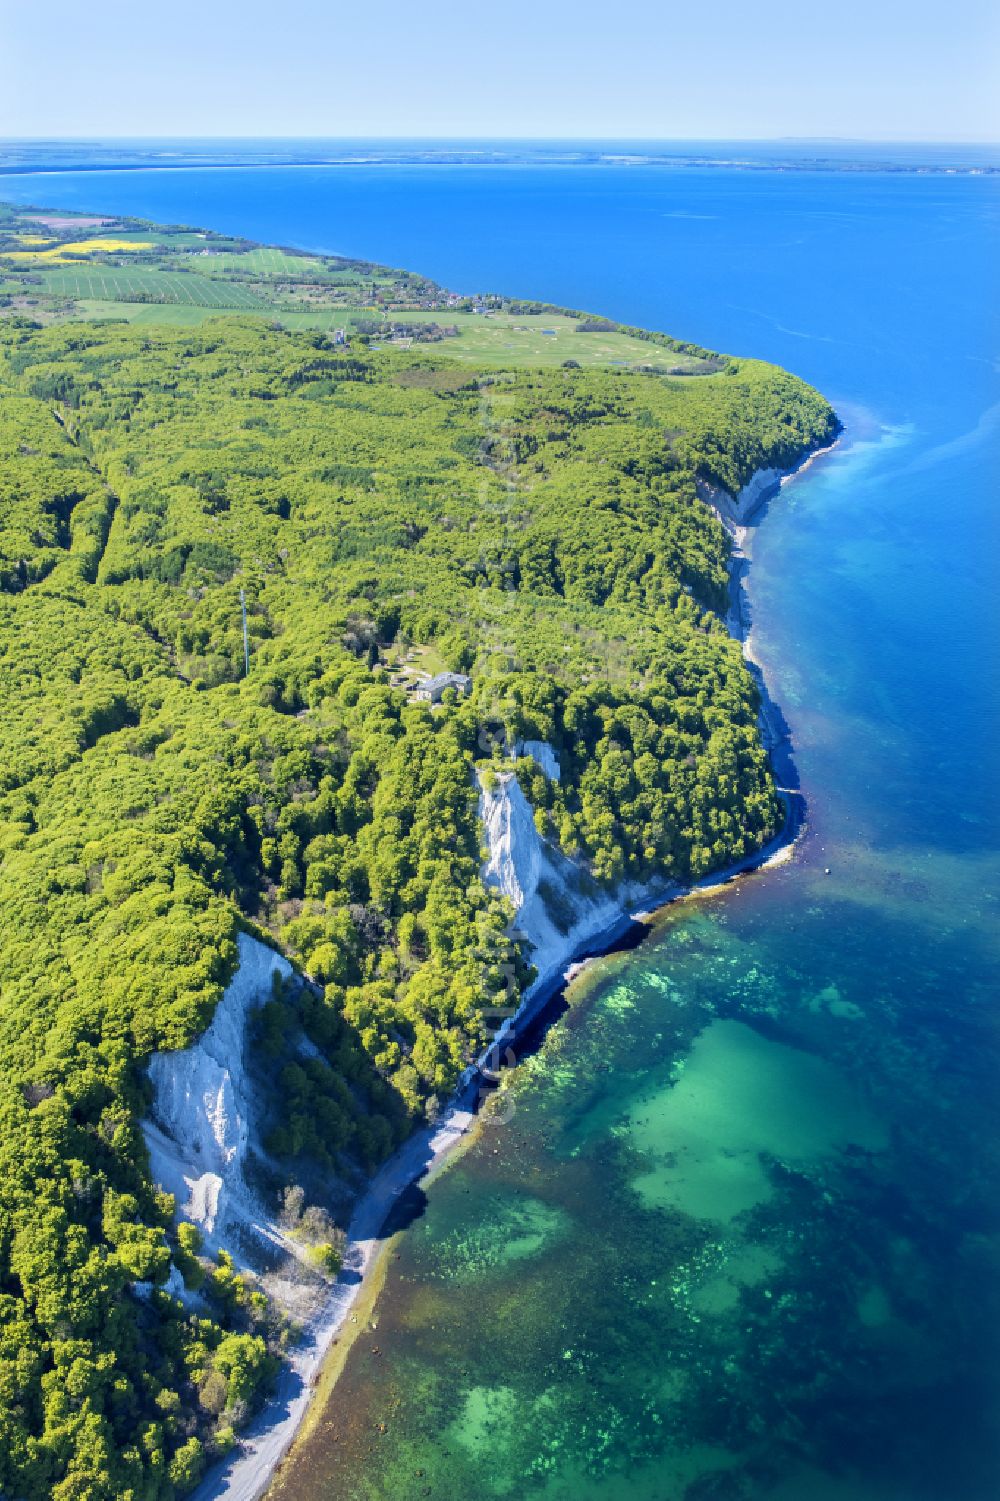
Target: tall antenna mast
(246, 638)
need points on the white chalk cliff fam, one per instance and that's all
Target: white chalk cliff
(200, 1126)
(736, 510)
(534, 874)
(542, 752)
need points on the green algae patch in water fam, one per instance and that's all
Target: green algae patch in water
(513, 1227)
(740, 1099)
(745, 1267)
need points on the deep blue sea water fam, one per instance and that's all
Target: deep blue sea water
(750, 1183)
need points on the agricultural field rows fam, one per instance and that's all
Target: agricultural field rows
(114, 284)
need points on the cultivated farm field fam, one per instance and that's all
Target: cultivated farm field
(153, 314)
(128, 284)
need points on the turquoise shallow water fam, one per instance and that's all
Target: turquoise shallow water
(739, 1237)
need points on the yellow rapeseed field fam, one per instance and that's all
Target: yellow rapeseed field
(84, 247)
(61, 254)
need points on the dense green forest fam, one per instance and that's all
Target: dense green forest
(538, 529)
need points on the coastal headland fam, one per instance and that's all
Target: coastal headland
(619, 919)
(385, 676)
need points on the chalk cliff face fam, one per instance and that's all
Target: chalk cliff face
(516, 858)
(559, 908)
(736, 510)
(200, 1125)
(542, 752)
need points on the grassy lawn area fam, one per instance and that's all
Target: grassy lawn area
(485, 343)
(410, 666)
(503, 339)
(267, 261)
(547, 340)
(264, 262)
(174, 239)
(542, 339)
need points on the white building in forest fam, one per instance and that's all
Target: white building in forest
(431, 691)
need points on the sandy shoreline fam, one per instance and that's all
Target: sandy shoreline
(246, 1474)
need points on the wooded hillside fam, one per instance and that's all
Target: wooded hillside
(538, 530)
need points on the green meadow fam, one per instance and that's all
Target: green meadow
(545, 339)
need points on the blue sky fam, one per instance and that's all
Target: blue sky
(876, 69)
